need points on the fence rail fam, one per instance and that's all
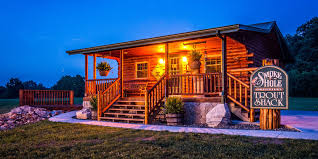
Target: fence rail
(46, 97)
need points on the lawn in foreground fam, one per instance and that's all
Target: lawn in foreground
(63, 140)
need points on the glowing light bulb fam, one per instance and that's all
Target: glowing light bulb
(184, 59)
(161, 61)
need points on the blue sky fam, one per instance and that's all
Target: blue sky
(34, 35)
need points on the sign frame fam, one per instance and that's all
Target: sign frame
(251, 88)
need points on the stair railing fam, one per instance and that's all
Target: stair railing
(154, 98)
(108, 97)
(238, 92)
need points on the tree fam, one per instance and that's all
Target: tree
(32, 85)
(76, 83)
(3, 92)
(303, 72)
(13, 87)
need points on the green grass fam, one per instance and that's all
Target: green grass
(310, 104)
(62, 140)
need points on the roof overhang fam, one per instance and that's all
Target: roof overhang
(266, 27)
(158, 40)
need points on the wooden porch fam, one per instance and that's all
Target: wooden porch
(132, 99)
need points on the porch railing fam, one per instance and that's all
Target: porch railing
(199, 84)
(154, 98)
(108, 97)
(46, 97)
(93, 86)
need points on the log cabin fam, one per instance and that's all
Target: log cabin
(152, 69)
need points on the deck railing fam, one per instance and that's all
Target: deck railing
(46, 97)
(93, 86)
(107, 97)
(198, 84)
(154, 98)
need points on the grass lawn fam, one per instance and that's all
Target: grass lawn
(62, 140)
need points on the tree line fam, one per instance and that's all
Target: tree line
(303, 71)
(12, 87)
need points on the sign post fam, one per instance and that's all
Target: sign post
(269, 93)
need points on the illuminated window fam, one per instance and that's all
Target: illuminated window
(213, 64)
(142, 70)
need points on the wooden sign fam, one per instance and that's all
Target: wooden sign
(269, 88)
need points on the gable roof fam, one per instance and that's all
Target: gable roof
(266, 28)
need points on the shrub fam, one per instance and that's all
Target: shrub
(93, 102)
(174, 105)
(103, 66)
(195, 55)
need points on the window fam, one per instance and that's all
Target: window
(213, 64)
(142, 70)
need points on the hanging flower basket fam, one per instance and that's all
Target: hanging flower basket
(103, 73)
(103, 68)
(195, 63)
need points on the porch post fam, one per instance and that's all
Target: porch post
(86, 73)
(167, 69)
(224, 70)
(122, 72)
(94, 67)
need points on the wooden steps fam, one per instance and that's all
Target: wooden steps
(241, 113)
(128, 109)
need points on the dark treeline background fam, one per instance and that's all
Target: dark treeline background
(302, 71)
(11, 89)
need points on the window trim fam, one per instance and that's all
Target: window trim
(136, 69)
(211, 57)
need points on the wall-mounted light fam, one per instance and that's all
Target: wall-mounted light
(184, 59)
(184, 47)
(161, 48)
(161, 61)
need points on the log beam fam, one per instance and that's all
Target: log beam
(94, 67)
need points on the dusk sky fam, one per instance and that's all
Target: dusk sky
(34, 35)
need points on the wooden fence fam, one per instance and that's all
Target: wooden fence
(46, 97)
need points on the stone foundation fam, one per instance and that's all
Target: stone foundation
(195, 112)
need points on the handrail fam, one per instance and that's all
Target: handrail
(236, 93)
(93, 86)
(46, 97)
(241, 82)
(109, 96)
(154, 97)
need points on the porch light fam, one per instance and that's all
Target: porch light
(161, 48)
(161, 61)
(185, 47)
(184, 59)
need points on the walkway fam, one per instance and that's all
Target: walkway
(67, 117)
(306, 121)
